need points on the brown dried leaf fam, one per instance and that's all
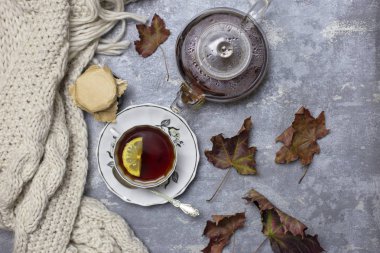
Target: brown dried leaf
(151, 37)
(286, 234)
(290, 224)
(234, 152)
(300, 139)
(220, 231)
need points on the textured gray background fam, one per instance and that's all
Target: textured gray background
(323, 56)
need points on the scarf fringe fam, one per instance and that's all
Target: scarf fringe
(101, 19)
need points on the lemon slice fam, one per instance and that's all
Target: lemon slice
(132, 156)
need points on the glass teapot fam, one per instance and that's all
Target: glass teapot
(222, 55)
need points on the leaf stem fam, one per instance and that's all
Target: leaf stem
(304, 174)
(234, 244)
(220, 185)
(261, 244)
(166, 63)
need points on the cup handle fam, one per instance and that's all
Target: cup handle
(114, 132)
(187, 96)
(258, 8)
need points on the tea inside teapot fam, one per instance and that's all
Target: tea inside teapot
(223, 53)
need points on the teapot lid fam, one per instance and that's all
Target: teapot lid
(223, 50)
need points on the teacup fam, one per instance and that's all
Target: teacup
(158, 159)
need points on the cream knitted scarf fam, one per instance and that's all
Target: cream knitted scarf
(44, 46)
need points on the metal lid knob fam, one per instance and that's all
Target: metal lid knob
(225, 49)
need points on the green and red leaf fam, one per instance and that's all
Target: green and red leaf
(234, 152)
(300, 139)
(220, 230)
(286, 234)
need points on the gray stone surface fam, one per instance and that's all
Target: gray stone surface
(323, 55)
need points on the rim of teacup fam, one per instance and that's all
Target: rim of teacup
(140, 183)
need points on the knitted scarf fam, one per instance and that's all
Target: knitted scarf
(44, 47)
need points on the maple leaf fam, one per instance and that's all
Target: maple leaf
(220, 230)
(151, 37)
(234, 152)
(286, 234)
(300, 139)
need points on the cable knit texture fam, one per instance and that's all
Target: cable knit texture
(44, 47)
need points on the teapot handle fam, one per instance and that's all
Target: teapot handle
(189, 96)
(258, 8)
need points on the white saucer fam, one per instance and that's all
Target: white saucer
(182, 136)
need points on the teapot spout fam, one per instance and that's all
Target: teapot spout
(187, 97)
